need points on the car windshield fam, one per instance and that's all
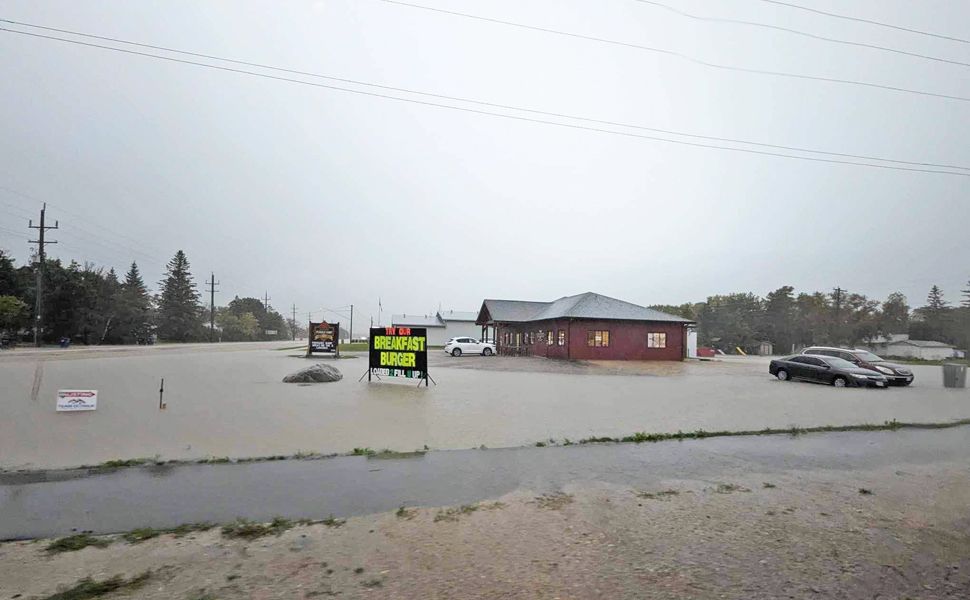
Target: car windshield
(867, 356)
(838, 363)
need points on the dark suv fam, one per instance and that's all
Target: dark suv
(896, 374)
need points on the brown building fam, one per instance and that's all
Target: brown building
(586, 326)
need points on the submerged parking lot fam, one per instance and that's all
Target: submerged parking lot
(228, 401)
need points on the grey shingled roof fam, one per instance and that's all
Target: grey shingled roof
(458, 315)
(920, 344)
(416, 321)
(581, 306)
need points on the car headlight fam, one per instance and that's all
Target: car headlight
(860, 376)
(885, 370)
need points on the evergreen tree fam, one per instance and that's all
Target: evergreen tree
(934, 320)
(179, 310)
(966, 296)
(135, 308)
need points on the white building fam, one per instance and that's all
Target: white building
(899, 345)
(442, 326)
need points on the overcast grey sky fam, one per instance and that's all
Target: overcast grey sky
(325, 198)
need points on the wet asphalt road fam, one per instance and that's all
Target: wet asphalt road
(61, 502)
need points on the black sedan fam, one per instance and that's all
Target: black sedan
(825, 369)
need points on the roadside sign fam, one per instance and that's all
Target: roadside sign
(76, 400)
(323, 337)
(271, 332)
(398, 352)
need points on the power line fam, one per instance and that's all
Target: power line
(495, 104)
(681, 55)
(801, 33)
(488, 113)
(869, 21)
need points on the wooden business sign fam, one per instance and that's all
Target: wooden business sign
(323, 337)
(399, 352)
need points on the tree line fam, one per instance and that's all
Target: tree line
(88, 305)
(838, 318)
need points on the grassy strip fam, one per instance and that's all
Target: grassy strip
(642, 437)
(637, 438)
(73, 543)
(146, 533)
(89, 588)
(250, 530)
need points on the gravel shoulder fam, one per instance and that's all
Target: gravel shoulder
(806, 534)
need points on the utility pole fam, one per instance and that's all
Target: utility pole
(266, 300)
(293, 328)
(351, 324)
(41, 257)
(212, 283)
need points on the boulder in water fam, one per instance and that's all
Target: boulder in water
(314, 374)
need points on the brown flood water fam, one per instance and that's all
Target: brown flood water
(229, 401)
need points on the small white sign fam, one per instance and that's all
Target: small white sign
(74, 400)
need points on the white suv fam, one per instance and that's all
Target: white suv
(457, 346)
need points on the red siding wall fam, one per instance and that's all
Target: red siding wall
(628, 339)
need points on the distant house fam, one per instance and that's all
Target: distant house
(585, 326)
(899, 345)
(442, 326)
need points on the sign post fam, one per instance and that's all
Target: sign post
(323, 337)
(398, 352)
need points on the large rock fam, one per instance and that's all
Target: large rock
(314, 374)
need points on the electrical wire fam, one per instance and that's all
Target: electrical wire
(494, 104)
(492, 114)
(801, 33)
(684, 56)
(869, 21)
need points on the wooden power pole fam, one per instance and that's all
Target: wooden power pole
(41, 258)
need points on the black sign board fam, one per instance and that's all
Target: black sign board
(398, 352)
(323, 337)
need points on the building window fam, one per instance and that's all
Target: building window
(598, 339)
(562, 337)
(549, 338)
(656, 340)
(518, 339)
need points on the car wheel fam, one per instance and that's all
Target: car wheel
(487, 352)
(840, 382)
(456, 352)
(782, 375)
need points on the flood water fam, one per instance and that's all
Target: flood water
(230, 401)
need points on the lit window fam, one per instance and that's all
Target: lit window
(562, 337)
(518, 339)
(598, 339)
(656, 340)
(549, 338)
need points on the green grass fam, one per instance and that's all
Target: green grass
(332, 522)
(119, 463)
(77, 542)
(661, 495)
(355, 347)
(643, 437)
(250, 530)
(142, 534)
(453, 514)
(89, 588)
